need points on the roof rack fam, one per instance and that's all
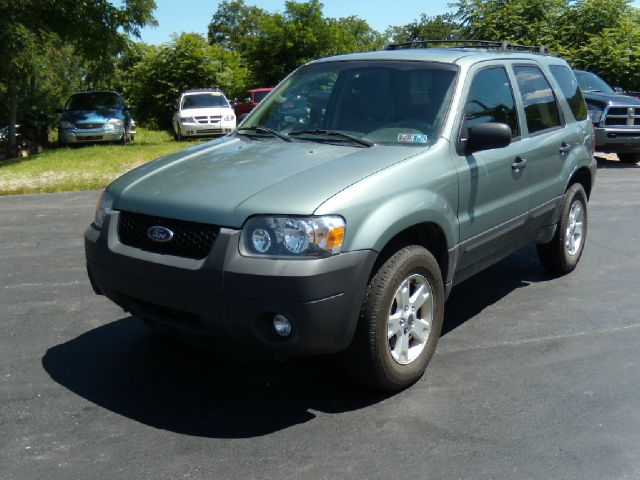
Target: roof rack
(488, 44)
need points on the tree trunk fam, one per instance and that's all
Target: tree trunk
(12, 151)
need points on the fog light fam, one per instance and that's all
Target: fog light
(282, 325)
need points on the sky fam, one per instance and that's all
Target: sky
(194, 15)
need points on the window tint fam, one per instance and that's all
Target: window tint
(540, 105)
(491, 100)
(204, 100)
(569, 86)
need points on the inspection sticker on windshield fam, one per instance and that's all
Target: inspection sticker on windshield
(413, 138)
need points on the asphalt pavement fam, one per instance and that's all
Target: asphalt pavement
(535, 377)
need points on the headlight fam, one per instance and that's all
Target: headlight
(268, 236)
(65, 124)
(228, 118)
(105, 204)
(115, 123)
(187, 120)
(595, 115)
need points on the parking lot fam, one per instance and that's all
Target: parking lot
(535, 377)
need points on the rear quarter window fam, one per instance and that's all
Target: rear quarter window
(540, 106)
(571, 91)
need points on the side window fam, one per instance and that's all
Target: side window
(540, 107)
(491, 100)
(570, 89)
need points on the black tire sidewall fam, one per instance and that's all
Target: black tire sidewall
(407, 261)
(575, 192)
(629, 158)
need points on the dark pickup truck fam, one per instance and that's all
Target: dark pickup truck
(615, 116)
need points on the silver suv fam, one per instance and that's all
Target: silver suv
(348, 204)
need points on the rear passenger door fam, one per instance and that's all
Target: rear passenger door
(494, 193)
(548, 140)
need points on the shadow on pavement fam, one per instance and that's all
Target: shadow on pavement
(604, 162)
(125, 368)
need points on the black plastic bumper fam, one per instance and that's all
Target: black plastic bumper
(227, 298)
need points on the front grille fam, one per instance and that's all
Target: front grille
(89, 126)
(208, 119)
(190, 239)
(623, 117)
(89, 138)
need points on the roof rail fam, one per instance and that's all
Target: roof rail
(488, 44)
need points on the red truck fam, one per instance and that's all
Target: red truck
(254, 97)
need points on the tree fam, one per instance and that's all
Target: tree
(530, 22)
(188, 61)
(274, 44)
(440, 27)
(234, 21)
(602, 36)
(27, 25)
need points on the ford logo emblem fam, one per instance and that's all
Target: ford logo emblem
(159, 234)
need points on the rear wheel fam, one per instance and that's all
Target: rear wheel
(629, 157)
(561, 255)
(400, 321)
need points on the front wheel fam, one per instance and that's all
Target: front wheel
(561, 255)
(630, 158)
(400, 321)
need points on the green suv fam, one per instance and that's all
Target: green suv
(345, 207)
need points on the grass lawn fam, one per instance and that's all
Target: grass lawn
(84, 167)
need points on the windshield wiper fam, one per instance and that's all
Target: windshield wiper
(334, 133)
(261, 129)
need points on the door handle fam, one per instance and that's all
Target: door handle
(565, 148)
(519, 163)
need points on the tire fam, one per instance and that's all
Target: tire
(629, 158)
(177, 135)
(562, 254)
(132, 137)
(379, 359)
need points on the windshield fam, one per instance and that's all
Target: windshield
(93, 100)
(204, 100)
(388, 102)
(590, 82)
(259, 96)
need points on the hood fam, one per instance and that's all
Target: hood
(611, 99)
(197, 112)
(225, 181)
(91, 116)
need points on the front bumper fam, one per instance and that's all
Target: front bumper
(617, 140)
(94, 135)
(205, 129)
(230, 300)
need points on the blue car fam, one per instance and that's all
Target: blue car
(95, 116)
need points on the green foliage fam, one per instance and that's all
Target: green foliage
(274, 44)
(440, 27)
(530, 22)
(31, 29)
(597, 35)
(188, 61)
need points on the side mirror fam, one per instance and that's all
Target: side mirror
(487, 136)
(618, 89)
(247, 100)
